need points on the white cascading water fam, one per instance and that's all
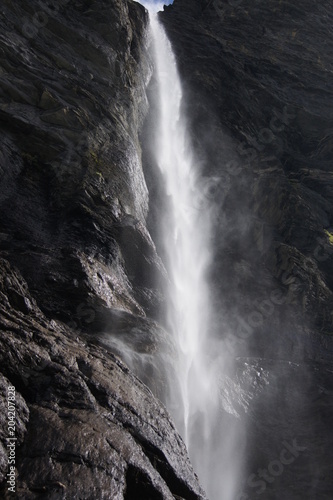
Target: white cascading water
(186, 237)
(194, 404)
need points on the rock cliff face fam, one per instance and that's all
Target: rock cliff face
(80, 275)
(77, 261)
(258, 80)
(258, 77)
(87, 427)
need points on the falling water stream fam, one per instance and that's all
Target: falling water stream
(186, 238)
(194, 398)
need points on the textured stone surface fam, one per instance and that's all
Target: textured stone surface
(258, 91)
(81, 275)
(80, 268)
(93, 430)
(258, 84)
(74, 199)
(258, 77)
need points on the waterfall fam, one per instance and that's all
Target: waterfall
(186, 238)
(194, 399)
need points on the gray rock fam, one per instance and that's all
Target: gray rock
(93, 430)
(80, 267)
(258, 87)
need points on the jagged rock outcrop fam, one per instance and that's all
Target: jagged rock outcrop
(90, 428)
(78, 266)
(73, 100)
(258, 91)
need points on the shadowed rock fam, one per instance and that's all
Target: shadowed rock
(73, 205)
(89, 428)
(258, 82)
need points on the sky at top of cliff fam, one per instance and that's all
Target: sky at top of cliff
(156, 5)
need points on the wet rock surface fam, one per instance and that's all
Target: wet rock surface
(74, 198)
(89, 427)
(78, 266)
(79, 273)
(258, 76)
